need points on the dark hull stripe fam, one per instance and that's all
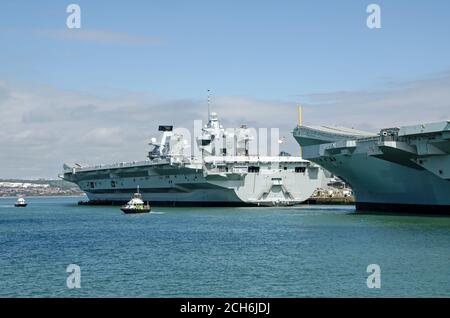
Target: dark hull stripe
(173, 203)
(403, 208)
(131, 191)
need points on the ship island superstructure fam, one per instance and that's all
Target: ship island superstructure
(401, 169)
(223, 173)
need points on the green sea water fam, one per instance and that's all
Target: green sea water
(304, 251)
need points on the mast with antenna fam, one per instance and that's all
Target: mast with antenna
(209, 104)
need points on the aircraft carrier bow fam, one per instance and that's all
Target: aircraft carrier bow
(404, 169)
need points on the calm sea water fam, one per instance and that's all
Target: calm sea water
(218, 252)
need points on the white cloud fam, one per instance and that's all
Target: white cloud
(42, 127)
(104, 137)
(399, 104)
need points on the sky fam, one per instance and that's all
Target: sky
(97, 94)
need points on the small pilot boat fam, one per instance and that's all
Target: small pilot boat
(20, 203)
(136, 205)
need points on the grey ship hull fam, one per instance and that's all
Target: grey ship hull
(381, 186)
(407, 172)
(196, 198)
(173, 185)
(160, 185)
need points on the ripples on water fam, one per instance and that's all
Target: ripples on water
(305, 251)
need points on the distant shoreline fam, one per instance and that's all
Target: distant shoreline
(46, 196)
(38, 188)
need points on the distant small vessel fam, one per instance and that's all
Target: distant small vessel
(136, 205)
(20, 203)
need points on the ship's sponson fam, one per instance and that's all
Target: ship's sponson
(399, 169)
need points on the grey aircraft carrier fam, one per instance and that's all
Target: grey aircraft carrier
(403, 169)
(224, 173)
